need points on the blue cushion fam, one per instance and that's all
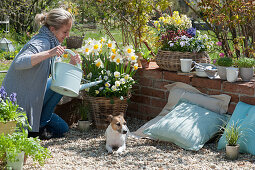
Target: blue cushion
(187, 125)
(243, 116)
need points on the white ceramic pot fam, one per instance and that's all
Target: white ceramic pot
(222, 72)
(232, 152)
(17, 165)
(232, 74)
(246, 73)
(83, 125)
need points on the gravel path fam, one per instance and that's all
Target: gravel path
(86, 150)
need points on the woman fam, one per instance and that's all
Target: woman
(28, 75)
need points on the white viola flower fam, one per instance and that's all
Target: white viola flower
(116, 74)
(89, 75)
(100, 77)
(118, 59)
(114, 88)
(108, 72)
(87, 89)
(111, 44)
(106, 78)
(101, 88)
(182, 43)
(122, 81)
(107, 84)
(97, 91)
(121, 98)
(184, 37)
(126, 77)
(171, 44)
(99, 63)
(117, 83)
(128, 50)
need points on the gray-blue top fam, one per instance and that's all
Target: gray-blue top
(29, 82)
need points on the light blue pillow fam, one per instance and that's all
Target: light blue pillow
(244, 116)
(187, 125)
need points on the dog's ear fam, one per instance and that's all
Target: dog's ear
(109, 118)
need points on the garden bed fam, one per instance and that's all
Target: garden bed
(86, 150)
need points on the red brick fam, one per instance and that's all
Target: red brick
(141, 99)
(151, 73)
(160, 84)
(150, 111)
(203, 90)
(242, 88)
(231, 108)
(133, 106)
(158, 102)
(206, 83)
(172, 76)
(248, 100)
(145, 81)
(234, 97)
(153, 92)
(213, 92)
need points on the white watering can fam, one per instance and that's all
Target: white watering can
(66, 78)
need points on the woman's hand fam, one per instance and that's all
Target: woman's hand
(75, 59)
(57, 51)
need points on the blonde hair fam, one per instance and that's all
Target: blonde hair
(55, 18)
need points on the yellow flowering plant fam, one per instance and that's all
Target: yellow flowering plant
(102, 60)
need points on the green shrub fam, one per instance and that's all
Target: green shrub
(225, 62)
(245, 62)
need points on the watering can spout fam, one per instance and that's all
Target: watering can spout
(87, 85)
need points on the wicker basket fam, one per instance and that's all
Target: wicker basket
(170, 60)
(74, 42)
(102, 107)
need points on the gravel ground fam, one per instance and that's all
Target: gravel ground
(86, 150)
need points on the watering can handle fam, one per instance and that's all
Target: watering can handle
(54, 59)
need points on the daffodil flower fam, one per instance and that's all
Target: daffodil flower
(135, 66)
(99, 63)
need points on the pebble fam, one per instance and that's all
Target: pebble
(86, 150)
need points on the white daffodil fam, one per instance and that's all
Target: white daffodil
(117, 83)
(96, 46)
(135, 66)
(118, 59)
(112, 57)
(111, 44)
(128, 50)
(133, 58)
(88, 41)
(116, 74)
(103, 40)
(99, 63)
(86, 49)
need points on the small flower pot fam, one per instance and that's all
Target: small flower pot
(232, 74)
(83, 125)
(18, 164)
(222, 72)
(246, 73)
(145, 63)
(232, 152)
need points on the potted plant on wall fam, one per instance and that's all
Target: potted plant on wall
(222, 63)
(84, 123)
(246, 68)
(14, 147)
(146, 58)
(233, 133)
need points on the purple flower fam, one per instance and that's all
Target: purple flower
(13, 97)
(3, 93)
(219, 43)
(192, 31)
(182, 43)
(221, 55)
(214, 61)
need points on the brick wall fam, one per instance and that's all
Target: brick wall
(150, 96)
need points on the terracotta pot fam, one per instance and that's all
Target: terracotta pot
(232, 152)
(145, 63)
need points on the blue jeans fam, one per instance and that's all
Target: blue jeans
(55, 124)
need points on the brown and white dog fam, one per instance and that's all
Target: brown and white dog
(116, 134)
